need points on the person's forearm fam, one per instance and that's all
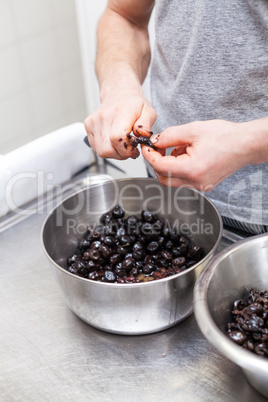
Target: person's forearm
(123, 50)
(257, 140)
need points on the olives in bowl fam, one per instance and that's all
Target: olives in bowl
(232, 281)
(133, 249)
(131, 307)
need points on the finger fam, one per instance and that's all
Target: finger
(98, 136)
(91, 141)
(143, 132)
(169, 181)
(169, 164)
(104, 147)
(107, 151)
(145, 121)
(180, 150)
(145, 150)
(173, 136)
(122, 126)
(88, 124)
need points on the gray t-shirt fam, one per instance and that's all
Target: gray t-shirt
(211, 62)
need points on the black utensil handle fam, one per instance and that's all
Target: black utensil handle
(87, 142)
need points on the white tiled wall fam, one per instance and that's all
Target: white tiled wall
(41, 84)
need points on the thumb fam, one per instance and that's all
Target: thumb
(172, 137)
(143, 124)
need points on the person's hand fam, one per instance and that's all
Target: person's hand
(121, 111)
(204, 154)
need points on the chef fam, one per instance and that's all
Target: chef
(209, 94)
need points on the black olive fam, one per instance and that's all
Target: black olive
(109, 276)
(195, 251)
(122, 250)
(139, 255)
(125, 240)
(148, 268)
(84, 243)
(121, 232)
(73, 269)
(169, 245)
(147, 229)
(86, 255)
(105, 251)
(131, 221)
(166, 254)
(94, 254)
(147, 216)
(106, 217)
(128, 263)
(238, 337)
(118, 212)
(95, 244)
(109, 241)
(179, 251)
(139, 264)
(115, 258)
(134, 271)
(95, 235)
(178, 261)
(119, 271)
(152, 246)
(138, 246)
(72, 259)
(83, 271)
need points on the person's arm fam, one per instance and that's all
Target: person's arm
(123, 58)
(207, 152)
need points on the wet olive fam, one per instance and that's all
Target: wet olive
(84, 243)
(105, 251)
(115, 258)
(178, 261)
(148, 268)
(118, 212)
(128, 263)
(147, 216)
(94, 254)
(72, 259)
(106, 217)
(152, 246)
(139, 255)
(109, 276)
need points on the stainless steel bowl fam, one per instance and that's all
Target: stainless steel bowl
(241, 266)
(130, 308)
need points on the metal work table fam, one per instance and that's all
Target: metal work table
(49, 354)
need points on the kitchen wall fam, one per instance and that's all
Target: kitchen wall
(41, 81)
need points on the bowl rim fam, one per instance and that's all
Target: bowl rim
(244, 358)
(133, 285)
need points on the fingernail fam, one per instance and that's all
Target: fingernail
(155, 139)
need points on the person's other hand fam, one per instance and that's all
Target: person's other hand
(120, 112)
(204, 154)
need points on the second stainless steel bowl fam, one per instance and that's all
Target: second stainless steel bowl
(227, 277)
(130, 308)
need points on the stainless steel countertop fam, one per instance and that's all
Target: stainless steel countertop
(49, 354)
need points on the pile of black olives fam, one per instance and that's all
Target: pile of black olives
(250, 322)
(132, 249)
